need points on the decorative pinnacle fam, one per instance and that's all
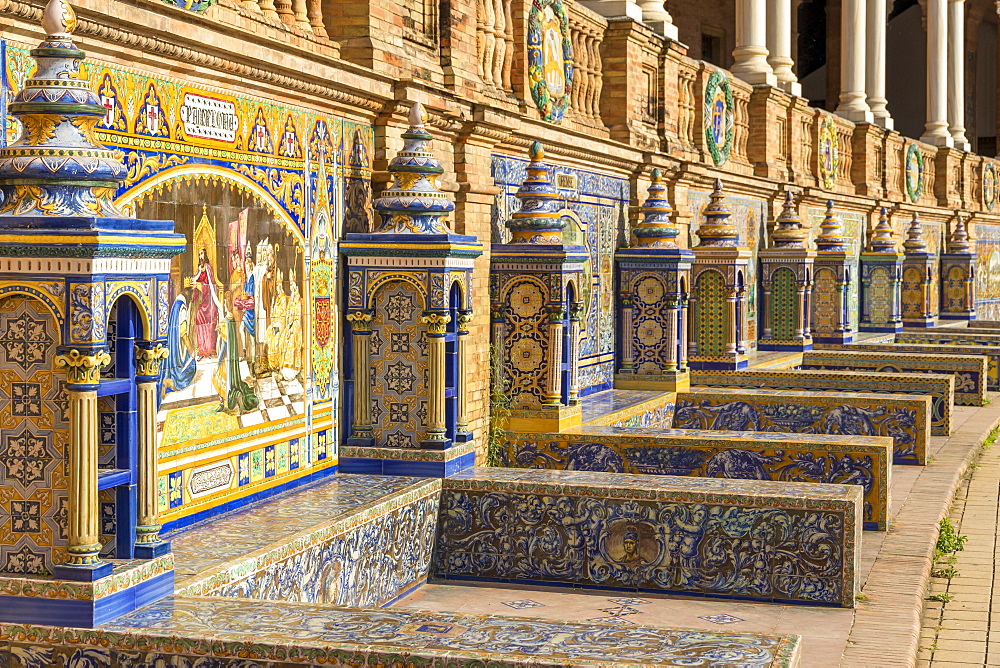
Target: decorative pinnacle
(883, 238)
(414, 204)
(656, 229)
(959, 240)
(538, 220)
(717, 230)
(58, 19)
(831, 239)
(915, 242)
(417, 115)
(788, 232)
(57, 168)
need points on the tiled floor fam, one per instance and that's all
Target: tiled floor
(460, 635)
(824, 630)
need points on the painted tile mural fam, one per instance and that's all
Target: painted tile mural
(596, 207)
(655, 533)
(987, 271)
(34, 433)
(749, 216)
(259, 189)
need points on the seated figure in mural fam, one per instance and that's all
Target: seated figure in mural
(180, 367)
(275, 334)
(207, 307)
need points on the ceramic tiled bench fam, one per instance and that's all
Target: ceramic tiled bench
(970, 372)
(983, 342)
(628, 408)
(905, 418)
(940, 388)
(848, 460)
(219, 633)
(365, 553)
(747, 539)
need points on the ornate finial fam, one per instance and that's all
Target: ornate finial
(414, 204)
(656, 229)
(538, 220)
(717, 230)
(58, 19)
(831, 239)
(57, 168)
(788, 232)
(536, 152)
(417, 115)
(915, 242)
(883, 238)
(959, 240)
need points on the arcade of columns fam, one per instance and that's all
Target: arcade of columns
(763, 55)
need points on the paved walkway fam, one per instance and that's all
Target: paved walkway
(882, 631)
(958, 632)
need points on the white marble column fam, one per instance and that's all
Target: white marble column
(750, 54)
(853, 98)
(936, 128)
(875, 72)
(956, 73)
(656, 16)
(779, 45)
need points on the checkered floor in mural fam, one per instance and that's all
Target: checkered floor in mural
(281, 395)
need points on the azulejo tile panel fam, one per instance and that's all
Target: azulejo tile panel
(33, 436)
(953, 347)
(940, 388)
(204, 553)
(595, 203)
(984, 341)
(846, 460)
(628, 408)
(203, 631)
(970, 373)
(906, 419)
(758, 540)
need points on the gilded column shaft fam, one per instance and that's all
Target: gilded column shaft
(361, 356)
(682, 327)
(732, 304)
(83, 373)
(576, 313)
(553, 388)
(671, 337)
(461, 384)
(437, 326)
(83, 527)
(147, 530)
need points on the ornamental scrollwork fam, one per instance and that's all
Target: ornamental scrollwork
(83, 369)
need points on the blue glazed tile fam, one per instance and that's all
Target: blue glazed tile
(522, 604)
(721, 618)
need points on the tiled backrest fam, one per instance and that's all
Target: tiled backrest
(752, 539)
(961, 342)
(991, 354)
(905, 418)
(939, 387)
(846, 460)
(969, 372)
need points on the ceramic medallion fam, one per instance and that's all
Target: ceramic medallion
(550, 58)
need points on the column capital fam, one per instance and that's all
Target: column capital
(147, 360)
(361, 321)
(82, 368)
(437, 323)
